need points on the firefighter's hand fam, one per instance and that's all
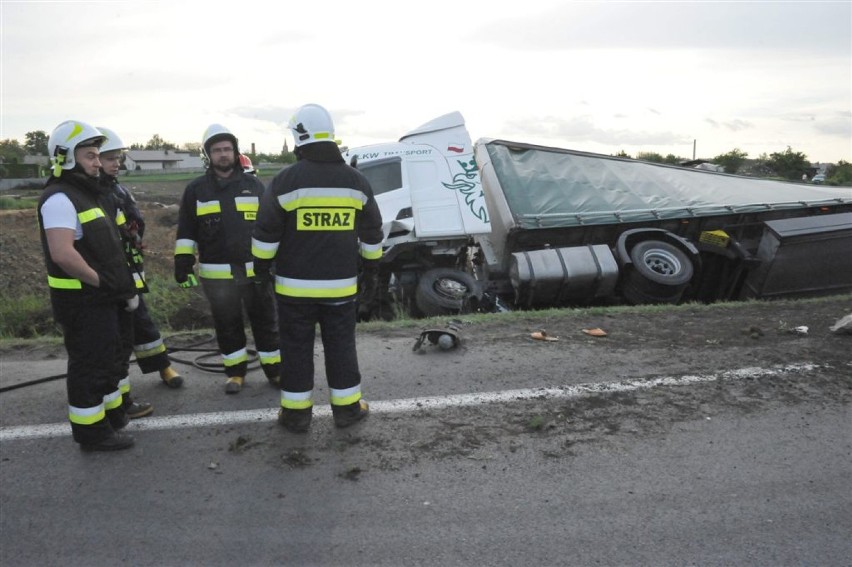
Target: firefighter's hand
(369, 286)
(190, 281)
(263, 273)
(132, 303)
(183, 271)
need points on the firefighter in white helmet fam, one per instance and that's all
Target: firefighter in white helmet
(318, 224)
(217, 214)
(90, 283)
(142, 339)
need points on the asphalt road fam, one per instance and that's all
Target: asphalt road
(449, 469)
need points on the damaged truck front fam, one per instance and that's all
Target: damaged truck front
(501, 225)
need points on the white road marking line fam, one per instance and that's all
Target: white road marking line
(415, 404)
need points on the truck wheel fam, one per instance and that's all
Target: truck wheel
(661, 262)
(445, 291)
(660, 274)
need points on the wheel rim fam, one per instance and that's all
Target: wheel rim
(451, 289)
(662, 262)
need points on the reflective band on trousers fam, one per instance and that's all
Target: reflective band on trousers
(139, 279)
(235, 357)
(296, 400)
(149, 349)
(124, 385)
(86, 416)
(269, 357)
(64, 283)
(327, 289)
(112, 401)
(345, 397)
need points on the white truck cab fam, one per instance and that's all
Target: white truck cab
(427, 184)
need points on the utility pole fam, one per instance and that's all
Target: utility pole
(693, 148)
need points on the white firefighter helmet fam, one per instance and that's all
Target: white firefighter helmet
(310, 124)
(216, 133)
(112, 142)
(66, 138)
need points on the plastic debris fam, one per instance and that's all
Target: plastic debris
(543, 336)
(596, 332)
(446, 339)
(843, 325)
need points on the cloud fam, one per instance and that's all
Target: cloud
(764, 26)
(583, 129)
(734, 125)
(838, 124)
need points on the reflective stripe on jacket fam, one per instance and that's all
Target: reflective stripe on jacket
(100, 246)
(216, 220)
(315, 222)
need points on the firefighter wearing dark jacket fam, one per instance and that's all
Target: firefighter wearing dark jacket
(89, 281)
(143, 338)
(318, 222)
(217, 214)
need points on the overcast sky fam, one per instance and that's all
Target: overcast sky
(593, 76)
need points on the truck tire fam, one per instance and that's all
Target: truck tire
(661, 262)
(445, 291)
(660, 274)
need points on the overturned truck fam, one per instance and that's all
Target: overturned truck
(500, 225)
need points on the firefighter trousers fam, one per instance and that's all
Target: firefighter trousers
(148, 347)
(228, 301)
(91, 333)
(297, 326)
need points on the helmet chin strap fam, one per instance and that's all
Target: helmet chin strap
(59, 160)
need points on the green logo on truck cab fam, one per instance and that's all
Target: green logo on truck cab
(467, 183)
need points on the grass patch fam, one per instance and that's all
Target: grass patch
(543, 315)
(26, 317)
(167, 303)
(31, 316)
(14, 204)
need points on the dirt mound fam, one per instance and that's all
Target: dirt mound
(22, 270)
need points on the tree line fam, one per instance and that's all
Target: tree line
(35, 143)
(789, 164)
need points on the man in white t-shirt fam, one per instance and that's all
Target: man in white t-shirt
(90, 282)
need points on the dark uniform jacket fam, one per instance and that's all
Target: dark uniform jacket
(122, 207)
(317, 221)
(100, 245)
(216, 220)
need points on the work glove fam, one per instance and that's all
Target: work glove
(263, 272)
(369, 285)
(184, 275)
(132, 303)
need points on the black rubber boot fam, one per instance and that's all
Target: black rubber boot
(115, 442)
(344, 416)
(295, 420)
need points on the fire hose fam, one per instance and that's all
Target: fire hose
(201, 362)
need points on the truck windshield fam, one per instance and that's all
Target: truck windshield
(384, 175)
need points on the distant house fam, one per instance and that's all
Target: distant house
(147, 160)
(702, 164)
